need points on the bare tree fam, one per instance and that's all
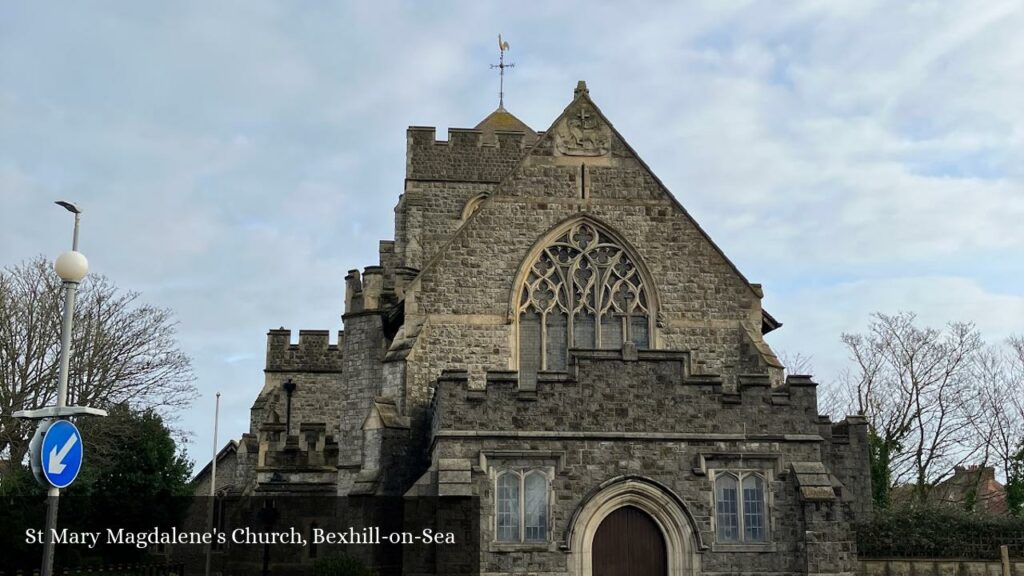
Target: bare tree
(831, 399)
(1000, 376)
(122, 351)
(796, 363)
(916, 388)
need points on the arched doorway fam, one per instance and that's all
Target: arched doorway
(645, 507)
(629, 543)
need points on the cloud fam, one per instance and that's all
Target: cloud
(816, 316)
(234, 160)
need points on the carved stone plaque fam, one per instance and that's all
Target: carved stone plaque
(582, 134)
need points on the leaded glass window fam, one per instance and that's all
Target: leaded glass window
(740, 511)
(726, 506)
(522, 504)
(536, 507)
(508, 507)
(753, 509)
(582, 291)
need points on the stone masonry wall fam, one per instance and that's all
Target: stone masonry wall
(465, 157)
(846, 455)
(705, 306)
(315, 366)
(937, 567)
(649, 418)
(364, 352)
(431, 211)
(314, 352)
(656, 393)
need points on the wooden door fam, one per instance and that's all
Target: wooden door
(629, 543)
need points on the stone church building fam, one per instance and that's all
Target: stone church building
(551, 332)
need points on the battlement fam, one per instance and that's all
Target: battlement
(661, 395)
(368, 291)
(313, 352)
(426, 136)
(841, 431)
(469, 155)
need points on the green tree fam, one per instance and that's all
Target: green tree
(23, 505)
(133, 477)
(122, 350)
(880, 453)
(1015, 484)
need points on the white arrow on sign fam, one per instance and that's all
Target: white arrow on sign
(56, 464)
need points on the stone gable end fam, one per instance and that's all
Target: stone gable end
(581, 168)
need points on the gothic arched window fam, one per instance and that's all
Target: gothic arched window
(740, 511)
(508, 507)
(581, 291)
(521, 503)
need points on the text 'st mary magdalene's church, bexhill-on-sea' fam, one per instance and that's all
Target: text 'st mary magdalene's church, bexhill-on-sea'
(552, 333)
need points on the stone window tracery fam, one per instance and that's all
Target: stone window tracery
(582, 291)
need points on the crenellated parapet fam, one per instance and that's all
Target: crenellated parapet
(639, 392)
(308, 457)
(847, 457)
(369, 291)
(313, 352)
(468, 155)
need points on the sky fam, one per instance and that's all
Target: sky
(235, 159)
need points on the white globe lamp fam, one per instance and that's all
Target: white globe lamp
(71, 266)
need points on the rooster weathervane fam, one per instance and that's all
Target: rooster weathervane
(502, 48)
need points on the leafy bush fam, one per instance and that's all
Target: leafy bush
(340, 566)
(937, 531)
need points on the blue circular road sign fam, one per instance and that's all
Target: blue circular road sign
(61, 454)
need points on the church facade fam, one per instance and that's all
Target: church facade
(550, 332)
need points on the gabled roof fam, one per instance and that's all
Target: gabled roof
(230, 448)
(582, 95)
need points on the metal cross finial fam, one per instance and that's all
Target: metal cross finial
(502, 47)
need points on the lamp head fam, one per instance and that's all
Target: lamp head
(68, 206)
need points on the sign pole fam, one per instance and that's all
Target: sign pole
(53, 493)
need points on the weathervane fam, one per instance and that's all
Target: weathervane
(502, 47)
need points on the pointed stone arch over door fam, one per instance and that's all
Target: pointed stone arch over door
(582, 286)
(661, 513)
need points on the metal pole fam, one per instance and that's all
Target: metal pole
(74, 239)
(53, 494)
(213, 483)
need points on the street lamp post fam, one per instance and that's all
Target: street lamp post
(71, 267)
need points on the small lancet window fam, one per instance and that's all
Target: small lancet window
(753, 509)
(535, 508)
(727, 508)
(508, 507)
